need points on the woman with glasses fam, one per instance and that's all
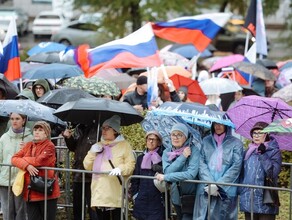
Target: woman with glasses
(220, 162)
(111, 158)
(262, 159)
(180, 162)
(148, 201)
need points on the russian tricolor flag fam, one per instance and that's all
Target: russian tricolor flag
(10, 61)
(198, 30)
(138, 49)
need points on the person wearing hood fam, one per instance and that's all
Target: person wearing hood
(40, 87)
(40, 152)
(26, 94)
(112, 154)
(180, 162)
(262, 159)
(220, 162)
(10, 142)
(148, 199)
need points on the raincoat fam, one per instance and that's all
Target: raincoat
(181, 168)
(255, 168)
(42, 82)
(106, 190)
(232, 153)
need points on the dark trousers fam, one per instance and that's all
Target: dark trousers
(180, 215)
(257, 216)
(114, 214)
(36, 210)
(77, 201)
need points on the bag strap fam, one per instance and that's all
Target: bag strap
(112, 165)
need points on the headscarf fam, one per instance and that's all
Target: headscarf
(151, 157)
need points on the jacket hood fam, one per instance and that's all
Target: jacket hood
(26, 93)
(42, 82)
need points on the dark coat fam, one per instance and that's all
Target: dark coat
(148, 201)
(133, 98)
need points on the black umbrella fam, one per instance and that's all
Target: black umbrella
(86, 111)
(9, 88)
(58, 97)
(269, 64)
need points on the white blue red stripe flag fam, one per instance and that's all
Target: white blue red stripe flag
(152, 90)
(138, 49)
(198, 30)
(10, 63)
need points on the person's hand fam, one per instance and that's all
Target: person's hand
(187, 152)
(32, 170)
(213, 190)
(115, 172)
(96, 148)
(139, 108)
(67, 133)
(159, 176)
(262, 149)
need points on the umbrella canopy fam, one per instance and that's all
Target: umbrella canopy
(94, 85)
(122, 80)
(49, 57)
(53, 71)
(255, 70)
(226, 61)
(86, 110)
(193, 113)
(219, 86)
(285, 76)
(24, 66)
(280, 126)
(58, 97)
(46, 47)
(9, 88)
(269, 64)
(33, 110)
(170, 70)
(195, 93)
(189, 50)
(285, 93)
(173, 59)
(210, 61)
(251, 109)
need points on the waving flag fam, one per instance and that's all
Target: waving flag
(254, 22)
(152, 88)
(10, 62)
(198, 30)
(138, 49)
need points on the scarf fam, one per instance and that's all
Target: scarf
(216, 158)
(175, 153)
(18, 131)
(250, 150)
(151, 157)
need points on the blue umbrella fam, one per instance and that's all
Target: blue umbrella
(189, 50)
(193, 113)
(53, 71)
(46, 47)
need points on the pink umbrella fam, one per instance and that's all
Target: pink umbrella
(226, 61)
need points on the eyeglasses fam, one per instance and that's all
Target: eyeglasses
(39, 88)
(177, 136)
(151, 139)
(257, 134)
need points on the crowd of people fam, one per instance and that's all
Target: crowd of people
(218, 157)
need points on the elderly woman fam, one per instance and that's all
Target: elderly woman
(180, 162)
(148, 199)
(262, 159)
(38, 153)
(220, 162)
(10, 142)
(112, 154)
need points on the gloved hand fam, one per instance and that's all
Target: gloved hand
(213, 190)
(96, 148)
(262, 149)
(115, 172)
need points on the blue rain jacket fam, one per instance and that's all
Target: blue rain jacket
(232, 157)
(255, 168)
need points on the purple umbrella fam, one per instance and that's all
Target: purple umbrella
(252, 109)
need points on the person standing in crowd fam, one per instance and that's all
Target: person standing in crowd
(148, 199)
(138, 97)
(183, 93)
(79, 140)
(180, 162)
(40, 152)
(237, 96)
(262, 159)
(270, 88)
(40, 87)
(112, 154)
(220, 162)
(11, 142)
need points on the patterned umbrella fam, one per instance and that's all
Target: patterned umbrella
(285, 93)
(251, 109)
(280, 126)
(94, 85)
